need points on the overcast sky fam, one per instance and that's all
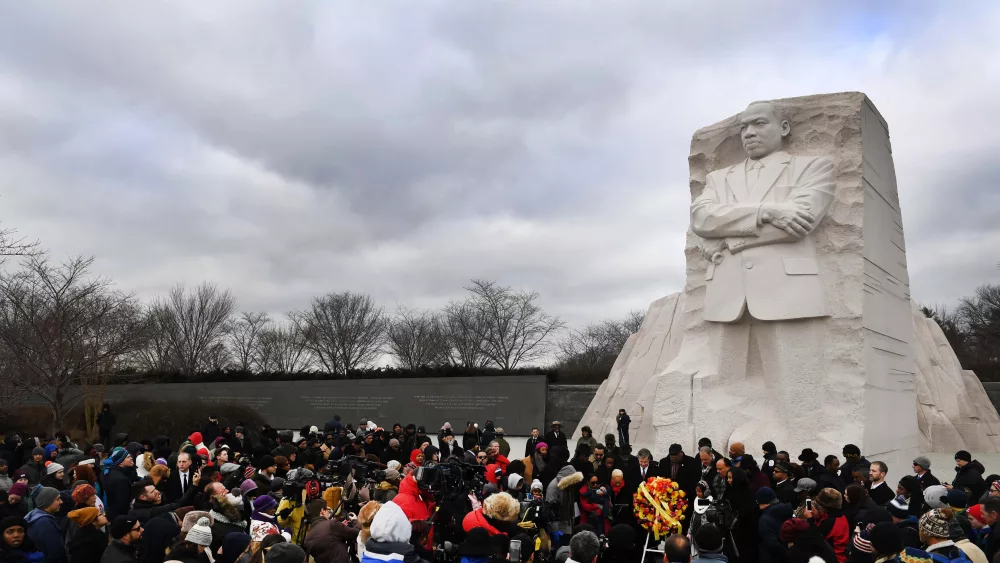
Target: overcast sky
(400, 148)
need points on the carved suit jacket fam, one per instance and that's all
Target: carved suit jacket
(763, 269)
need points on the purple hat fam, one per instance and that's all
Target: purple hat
(248, 486)
(263, 503)
(540, 445)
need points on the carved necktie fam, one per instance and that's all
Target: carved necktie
(754, 173)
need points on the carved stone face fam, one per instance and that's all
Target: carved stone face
(761, 130)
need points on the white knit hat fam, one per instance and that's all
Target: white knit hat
(536, 485)
(200, 533)
(53, 468)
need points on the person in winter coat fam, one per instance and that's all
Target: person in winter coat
(622, 511)
(498, 515)
(329, 541)
(157, 535)
(117, 483)
(388, 488)
(416, 460)
(390, 537)
(535, 463)
(773, 515)
(227, 517)
(34, 469)
(233, 545)
(44, 529)
(105, 424)
(89, 542)
(757, 478)
(829, 520)
(394, 452)
(595, 505)
(15, 545)
(968, 474)
(556, 436)
(148, 501)
(624, 422)
(262, 520)
(586, 437)
(561, 493)
(857, 505)
(504, 444)
(922, 469)
(741, 500)
(416, 504)
(805, 543)
(125, 535)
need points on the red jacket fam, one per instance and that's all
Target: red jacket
(839, 536)
(491, 469)
(476, 519)
(415, 505)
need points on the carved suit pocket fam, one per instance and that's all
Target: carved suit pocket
(710, 272)
(800, 266)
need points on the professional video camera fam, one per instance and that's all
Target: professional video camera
(721, 514)
(451, 479)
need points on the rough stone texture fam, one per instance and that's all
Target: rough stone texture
(954, 410)
(631, 383)
(872, 352)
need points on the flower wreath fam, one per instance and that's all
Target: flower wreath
(659, 506)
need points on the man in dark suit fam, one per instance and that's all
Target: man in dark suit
(706, 467)
(681, 469)
(556, 437)
(637, 470)
(181, 479)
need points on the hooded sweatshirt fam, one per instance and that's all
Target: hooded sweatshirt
(44, 531)
(390, 537)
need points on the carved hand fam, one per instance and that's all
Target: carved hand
(711, 247)
(793, 218)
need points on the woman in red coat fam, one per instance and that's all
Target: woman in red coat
(595, 505)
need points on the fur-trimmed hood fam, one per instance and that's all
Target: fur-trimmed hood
(224, 510)
(569, 481)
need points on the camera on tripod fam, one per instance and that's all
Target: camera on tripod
(721, 514)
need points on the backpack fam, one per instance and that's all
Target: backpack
(951, 555)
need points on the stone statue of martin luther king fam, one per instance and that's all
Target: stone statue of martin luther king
(758, 215)
(763, 283)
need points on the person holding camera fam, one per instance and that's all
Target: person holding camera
(330, 540)
(824, 513)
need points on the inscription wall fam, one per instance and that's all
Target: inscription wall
(516, 403)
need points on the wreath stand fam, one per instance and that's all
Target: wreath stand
(646, 550)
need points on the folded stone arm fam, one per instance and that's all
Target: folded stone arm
(741, 224)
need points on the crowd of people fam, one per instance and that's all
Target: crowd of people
(342, 493)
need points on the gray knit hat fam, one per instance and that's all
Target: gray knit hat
(922, 461)
(200, 533)
(54, 468)
(45, 497)
(191, 518)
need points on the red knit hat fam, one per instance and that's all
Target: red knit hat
(83, 494)
(977, 513)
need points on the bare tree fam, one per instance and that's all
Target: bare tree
(282, 349)
(417, 339)
(514, 327)
(196, 325)
(596, 347)
(463, 327)
(979, 317)
(243, 335)
(156, 354)
(61, 328)
(13, 245)
(345, 331)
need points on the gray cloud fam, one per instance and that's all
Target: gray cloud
(401, 149)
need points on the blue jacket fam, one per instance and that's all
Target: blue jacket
(45, 533)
